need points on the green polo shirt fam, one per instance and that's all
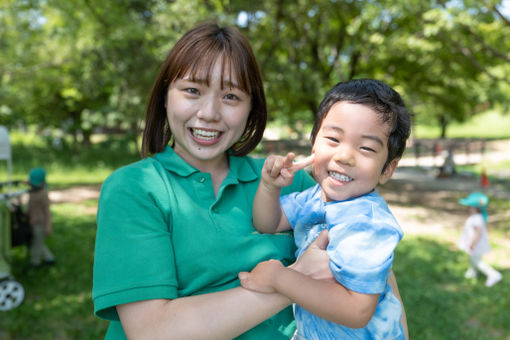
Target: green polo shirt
(162, 233)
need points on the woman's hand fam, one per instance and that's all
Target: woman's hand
(315, 261)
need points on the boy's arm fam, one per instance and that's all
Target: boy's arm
(268, 216)
(325, 298)
(277, 172)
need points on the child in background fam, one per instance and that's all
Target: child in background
(39, 216)
(358, 137)
(474, 239)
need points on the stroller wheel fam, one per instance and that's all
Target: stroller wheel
(11, 294)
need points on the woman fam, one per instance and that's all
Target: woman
(174, 229)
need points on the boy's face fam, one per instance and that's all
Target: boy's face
(350, 152)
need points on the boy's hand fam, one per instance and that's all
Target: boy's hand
(278, 171)
(261, 278)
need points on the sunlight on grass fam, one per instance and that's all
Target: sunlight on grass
(77, 210)
(490, 125)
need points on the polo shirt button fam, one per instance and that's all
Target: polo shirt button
(202, 179)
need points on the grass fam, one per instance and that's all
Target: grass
(65, 166)
(440, 303)
(488, 125)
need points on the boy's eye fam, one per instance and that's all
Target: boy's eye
(366, 148)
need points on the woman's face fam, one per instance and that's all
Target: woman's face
(206, 120)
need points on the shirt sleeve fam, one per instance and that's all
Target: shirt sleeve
(361, 253)
(134, 258)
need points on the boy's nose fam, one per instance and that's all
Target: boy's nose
(209, 110)
(345, 155)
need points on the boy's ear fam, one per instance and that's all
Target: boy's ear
(388, 172)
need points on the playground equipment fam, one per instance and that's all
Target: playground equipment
(12, 292)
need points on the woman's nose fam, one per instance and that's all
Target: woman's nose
(209, 109)
(345, 155)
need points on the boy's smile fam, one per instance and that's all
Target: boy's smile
(350, 152)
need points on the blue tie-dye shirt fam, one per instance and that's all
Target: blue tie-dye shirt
(362, 236)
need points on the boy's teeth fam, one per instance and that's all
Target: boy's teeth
(340, 177)
(205, 134)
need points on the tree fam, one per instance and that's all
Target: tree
(79, 66)
(440, 55)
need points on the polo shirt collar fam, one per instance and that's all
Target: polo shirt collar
(240, 168)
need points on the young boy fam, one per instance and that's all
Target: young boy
(39, 216)
(474, 239)
(358, 137)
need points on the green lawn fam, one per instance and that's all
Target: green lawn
(489, 125)
(439, 302)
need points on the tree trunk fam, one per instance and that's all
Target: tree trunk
(443, 122)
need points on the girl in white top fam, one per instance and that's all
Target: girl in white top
(474, 239)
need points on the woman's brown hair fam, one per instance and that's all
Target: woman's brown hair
(195, 55)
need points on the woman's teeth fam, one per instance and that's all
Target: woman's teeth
(340, 177)
(205, 134)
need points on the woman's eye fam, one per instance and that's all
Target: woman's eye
(192, 90)
(333, 139)
(231, 96)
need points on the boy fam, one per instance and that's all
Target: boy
(358, 137)
(475, 239)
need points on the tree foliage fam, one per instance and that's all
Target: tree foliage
(82, 65)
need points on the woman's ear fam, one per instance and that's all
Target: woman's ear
(388, 172)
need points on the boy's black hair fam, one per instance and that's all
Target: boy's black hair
(382, 99)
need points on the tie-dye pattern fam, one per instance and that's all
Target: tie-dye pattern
(362, 237)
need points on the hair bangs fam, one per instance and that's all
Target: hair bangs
(234, 68)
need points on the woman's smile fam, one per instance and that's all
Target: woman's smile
(205, 136)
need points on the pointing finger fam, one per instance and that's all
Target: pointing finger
(303, 163)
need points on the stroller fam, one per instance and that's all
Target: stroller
(12, 228)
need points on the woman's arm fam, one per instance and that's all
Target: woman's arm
(220, 315)
(394, 288)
